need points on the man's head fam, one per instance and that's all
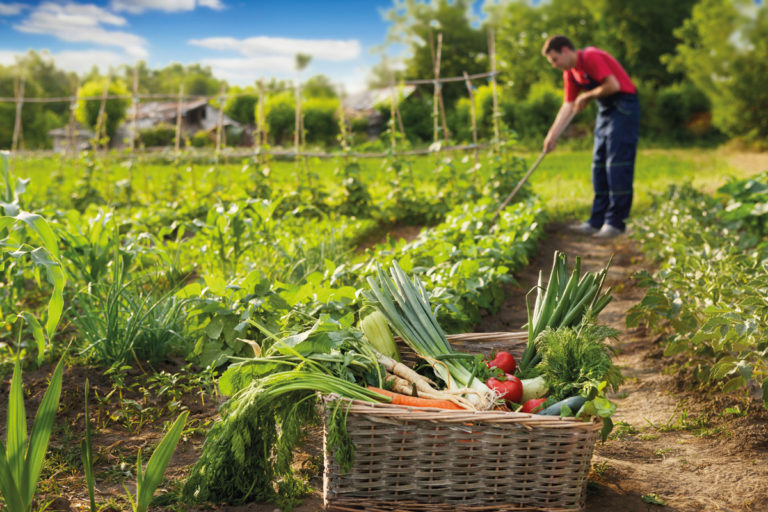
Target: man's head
(560, 52)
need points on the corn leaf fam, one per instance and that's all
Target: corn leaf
(41, 434)
(8, 489)
(16, 431)
(158, 462)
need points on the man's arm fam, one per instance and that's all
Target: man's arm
(564, 115)
(610, 85)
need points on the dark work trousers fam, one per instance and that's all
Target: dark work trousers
(613, 159)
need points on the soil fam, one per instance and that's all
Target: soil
(672, 443)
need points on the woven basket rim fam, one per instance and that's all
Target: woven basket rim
(402, 412)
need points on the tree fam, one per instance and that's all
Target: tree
(464, 47)
(639, 32)
(114, 110)
(241, 104)
(318, 86)
(724, 52)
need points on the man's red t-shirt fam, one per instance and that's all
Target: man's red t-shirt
(596, 64)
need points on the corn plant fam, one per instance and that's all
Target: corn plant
(149, 479)
(22, 457)
(16, 225)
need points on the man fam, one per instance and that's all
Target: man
(590, 74)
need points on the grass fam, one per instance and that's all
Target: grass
(563, 179)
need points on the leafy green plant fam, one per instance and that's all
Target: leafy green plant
(16, 225)
(710, 292)
(22, 457)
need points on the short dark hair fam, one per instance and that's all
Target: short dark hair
(557, 43)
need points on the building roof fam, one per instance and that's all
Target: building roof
(367, 100)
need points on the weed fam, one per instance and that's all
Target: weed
(623, 429)
(601, 469)
(653, 499)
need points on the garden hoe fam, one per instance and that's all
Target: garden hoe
(528, 174)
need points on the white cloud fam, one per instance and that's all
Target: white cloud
(321, 49)
(139, 6)
(80, 61)
(8, 57)
(12, 9)
(83, 23)
(211, 4)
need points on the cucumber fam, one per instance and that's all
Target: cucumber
(574, 403)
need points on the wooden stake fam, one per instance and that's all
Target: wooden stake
(297, 122)
(72, 125)
(492, 52)
(260, 121)
(101, 119)
(436, 71)
(19, 90)
(179, 104)
(439, 88)
(220, 124)
(474, 117)
(392, 114)
(135, 107)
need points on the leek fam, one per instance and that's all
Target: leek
(405, 305)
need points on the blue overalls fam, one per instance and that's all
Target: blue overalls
(613, 157)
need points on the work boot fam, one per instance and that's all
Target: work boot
(585, 228)
(608, 231)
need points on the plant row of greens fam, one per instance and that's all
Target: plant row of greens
(711, 289)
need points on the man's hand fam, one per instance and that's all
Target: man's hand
(549, 143)
(582, 100)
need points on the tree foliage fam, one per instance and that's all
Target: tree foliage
(464, 47)
(114, 109)
(724, 51)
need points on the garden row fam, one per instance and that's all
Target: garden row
(711, 290)
(192, 277)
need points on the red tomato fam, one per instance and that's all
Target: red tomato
(504, 361)
(533, 405)
(510, 389)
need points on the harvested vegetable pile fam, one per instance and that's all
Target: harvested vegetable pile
(564, 371)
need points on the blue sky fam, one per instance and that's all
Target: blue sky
(240, 40)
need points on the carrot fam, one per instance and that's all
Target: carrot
(413, 401)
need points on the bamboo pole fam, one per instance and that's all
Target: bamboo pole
(179, 104)
(72, 125)
(392, 115)
(220, 124)
(440, 101)
(297, 121)
(492, 52)
(17, 126)
(260, 121)
(134, 107)
(101, 119)
(436, 72)
(474, 116)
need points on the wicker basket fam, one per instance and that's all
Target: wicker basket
(434, 460)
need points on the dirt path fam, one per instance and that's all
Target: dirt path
(678, 445)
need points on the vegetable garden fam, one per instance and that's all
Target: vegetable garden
(200, 311)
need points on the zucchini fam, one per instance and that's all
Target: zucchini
(574, 403)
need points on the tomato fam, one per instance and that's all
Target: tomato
(510, 389)
(533, 405)
(504, 361)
